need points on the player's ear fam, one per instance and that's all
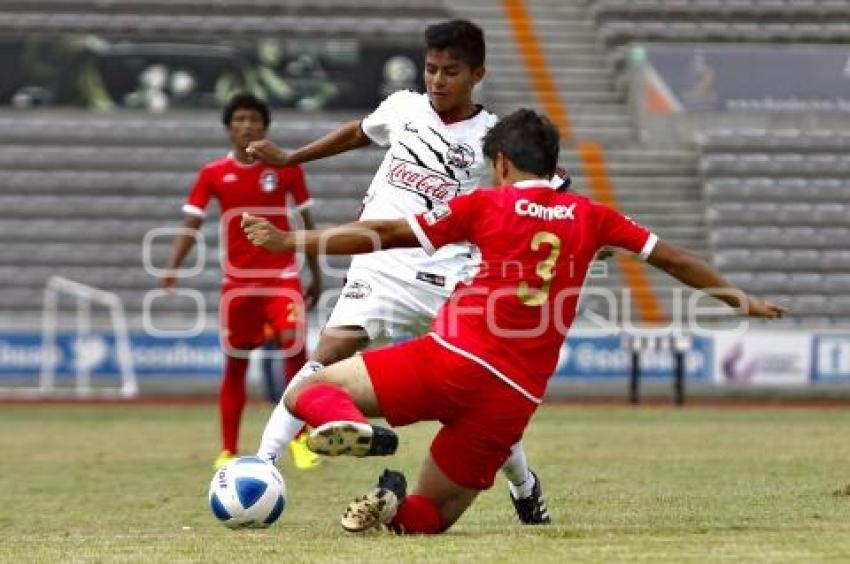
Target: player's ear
(503, 167)
(478, 74)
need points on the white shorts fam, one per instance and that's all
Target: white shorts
(385, 306)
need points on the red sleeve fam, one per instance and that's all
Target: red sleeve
(200, 194)
(618, 230)
(446, 224)
(298, 188)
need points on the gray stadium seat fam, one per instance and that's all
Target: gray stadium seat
(732, 259)
(803, 260)
(837, 283)
(835, 260)
(810, 305)
(767, 259)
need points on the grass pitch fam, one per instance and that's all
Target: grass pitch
(128, 483)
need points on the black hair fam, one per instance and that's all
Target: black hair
(245, 101)
(462, 38)
(527, 139)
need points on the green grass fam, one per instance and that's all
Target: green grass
(104, 484)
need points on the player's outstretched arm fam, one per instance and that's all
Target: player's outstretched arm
(350, 239)
(695, 272)
(183, 243)
(349, 136)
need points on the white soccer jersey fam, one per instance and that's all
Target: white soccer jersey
(427, 164)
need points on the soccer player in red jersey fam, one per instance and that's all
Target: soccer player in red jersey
(258, 287)
(433, 142)
(483, 369)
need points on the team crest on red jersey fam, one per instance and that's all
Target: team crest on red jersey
(268, 180)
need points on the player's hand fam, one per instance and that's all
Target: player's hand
(561, 179)
(268, 152)
(262, 233)
(168, 281)
(767, 310)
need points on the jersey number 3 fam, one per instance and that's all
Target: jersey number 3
(545, 270)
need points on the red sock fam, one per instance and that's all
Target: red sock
(417, 515)
(293, 363)
(321, 403)
(231, 401)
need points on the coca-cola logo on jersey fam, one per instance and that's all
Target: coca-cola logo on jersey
(421, 180)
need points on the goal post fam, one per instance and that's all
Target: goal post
(86, 297)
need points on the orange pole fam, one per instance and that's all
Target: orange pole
(590, 152)
(535, 63)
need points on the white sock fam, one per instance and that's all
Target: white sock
(282, 426)
(515, 469)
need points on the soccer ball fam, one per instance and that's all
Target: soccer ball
(247, 493)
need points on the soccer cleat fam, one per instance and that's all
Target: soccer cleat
(394, 481)
(350, 438)
(378, 507)
(223, 458)
(532, 510)
(302, 457)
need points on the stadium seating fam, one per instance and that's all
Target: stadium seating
(776, 200)
(623, 21)
(110, 180)
(195, 18)
(779, 212)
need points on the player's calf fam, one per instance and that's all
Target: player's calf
(352, 438)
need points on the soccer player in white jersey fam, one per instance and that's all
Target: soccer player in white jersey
(434, 154)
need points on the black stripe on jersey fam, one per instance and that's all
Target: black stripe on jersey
(416, 158)
(440, 158)
(443, 139)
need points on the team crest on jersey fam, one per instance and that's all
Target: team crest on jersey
(268, 180)
(436, 215)
(460, 155)
(356, 290)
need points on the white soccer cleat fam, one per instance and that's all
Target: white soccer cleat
(373, 510)
(378, 507)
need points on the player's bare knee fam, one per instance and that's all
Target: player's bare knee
(339, 343)
(290, 396)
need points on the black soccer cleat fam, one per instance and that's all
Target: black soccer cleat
(532, 510)
(394, 481)
(384, 443)
(352, 438)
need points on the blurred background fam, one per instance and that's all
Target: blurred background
(720, 124)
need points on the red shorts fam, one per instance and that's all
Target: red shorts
(247, 306)
(482, 417)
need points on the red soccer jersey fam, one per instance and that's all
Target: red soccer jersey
(536, 245)
(259, 189)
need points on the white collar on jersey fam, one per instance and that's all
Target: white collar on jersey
(534, 183)
(239, 163)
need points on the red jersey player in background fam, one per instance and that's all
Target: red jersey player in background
(258, 288)
(483, 369)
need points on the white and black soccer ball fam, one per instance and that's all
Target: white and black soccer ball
(247, 493)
